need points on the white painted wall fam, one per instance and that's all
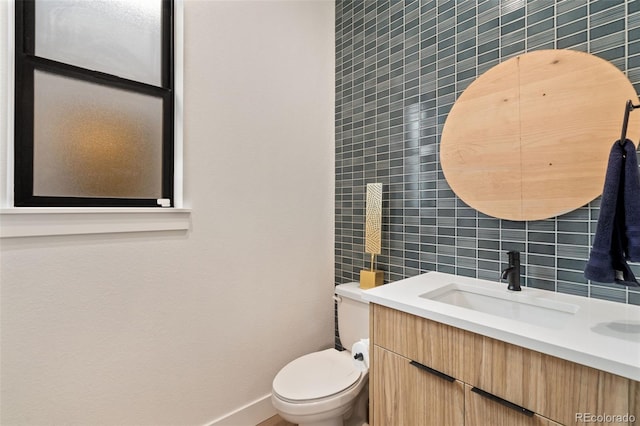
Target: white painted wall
(184, 328)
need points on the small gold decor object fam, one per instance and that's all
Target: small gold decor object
(372, 277)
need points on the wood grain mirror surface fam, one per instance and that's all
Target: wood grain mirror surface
(530, 138)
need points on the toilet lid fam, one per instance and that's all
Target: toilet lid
(316, 375)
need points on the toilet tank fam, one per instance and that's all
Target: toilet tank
(353, 314)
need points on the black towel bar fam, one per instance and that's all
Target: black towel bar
(627, 109)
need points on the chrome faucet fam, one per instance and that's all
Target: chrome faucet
(512, 273)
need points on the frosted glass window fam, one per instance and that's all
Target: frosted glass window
(119, 37)
(95, 141)
(94, 103)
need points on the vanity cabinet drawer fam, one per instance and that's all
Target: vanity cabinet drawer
(428, 342)
(547, 385)
(482, 411)
(406, 395)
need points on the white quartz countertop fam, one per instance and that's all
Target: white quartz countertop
(600, 334)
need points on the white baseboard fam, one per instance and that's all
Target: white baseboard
(248, 415)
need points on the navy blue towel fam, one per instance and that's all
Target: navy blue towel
(617, 238)
(632, 203)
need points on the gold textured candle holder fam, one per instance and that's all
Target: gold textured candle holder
(370, 278)
(373, 236)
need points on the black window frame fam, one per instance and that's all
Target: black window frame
(26, 62)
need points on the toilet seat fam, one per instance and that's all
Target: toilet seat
(316, 376)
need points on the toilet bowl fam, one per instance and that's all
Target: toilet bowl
(329, 387)
(320, 388)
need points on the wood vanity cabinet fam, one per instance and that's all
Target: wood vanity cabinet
(427, 373)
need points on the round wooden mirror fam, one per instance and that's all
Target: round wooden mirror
(531, 137)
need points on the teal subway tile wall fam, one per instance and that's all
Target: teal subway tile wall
(400, 66)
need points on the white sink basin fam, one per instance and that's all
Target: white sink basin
(517, 306)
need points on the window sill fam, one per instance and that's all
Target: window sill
(37, 222)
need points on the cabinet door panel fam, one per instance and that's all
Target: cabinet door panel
(436, 345)
(480, 411)
(553, 387)
(406, 395)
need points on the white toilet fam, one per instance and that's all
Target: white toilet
(330, 388)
